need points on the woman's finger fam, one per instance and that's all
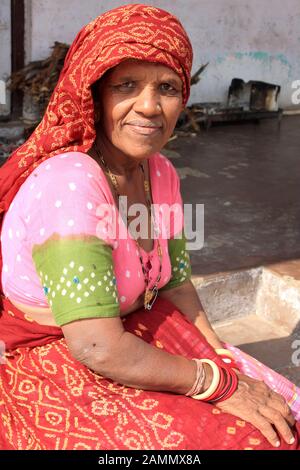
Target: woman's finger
(266, 428)
(281, 405)
(280, 423)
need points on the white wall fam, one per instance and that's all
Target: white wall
(5, 55)
(252, 40)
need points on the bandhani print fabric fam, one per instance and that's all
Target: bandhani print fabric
(180, 262)
(50, 401)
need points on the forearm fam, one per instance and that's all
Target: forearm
(135, 363)
(187, 301)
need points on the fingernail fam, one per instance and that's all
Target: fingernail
(277, 444)
(292, 440)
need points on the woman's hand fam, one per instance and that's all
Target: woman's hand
(268, 411)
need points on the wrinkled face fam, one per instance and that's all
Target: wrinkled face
(140, 103)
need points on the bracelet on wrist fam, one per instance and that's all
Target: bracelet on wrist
(224, 352)
(214, 383)
(199, 381)
(227, 357)
(224, 383)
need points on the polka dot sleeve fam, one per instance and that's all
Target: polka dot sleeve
(72, 240)
(77, 277)
(180, 263)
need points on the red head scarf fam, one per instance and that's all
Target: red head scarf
(132, 31)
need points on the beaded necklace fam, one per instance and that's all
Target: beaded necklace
(150, 295)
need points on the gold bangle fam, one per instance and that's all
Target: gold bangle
(224, 352)
(214, 383)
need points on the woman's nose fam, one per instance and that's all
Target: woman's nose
(148, 102)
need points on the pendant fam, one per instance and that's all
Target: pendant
(150, 297)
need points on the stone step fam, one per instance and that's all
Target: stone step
(258, 310)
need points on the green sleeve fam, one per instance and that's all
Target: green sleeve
(78, 277)
(180, 262)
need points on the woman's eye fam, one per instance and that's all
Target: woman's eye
(126, 86)
(167, 88)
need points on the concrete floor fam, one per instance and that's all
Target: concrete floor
(247, 176)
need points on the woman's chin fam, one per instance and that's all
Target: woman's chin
(142, 152)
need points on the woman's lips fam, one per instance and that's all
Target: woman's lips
(143, 130)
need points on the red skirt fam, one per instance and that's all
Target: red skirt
(48, 400)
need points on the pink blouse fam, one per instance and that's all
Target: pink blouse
(63, 196)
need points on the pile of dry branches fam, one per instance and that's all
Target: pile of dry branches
(38, 79)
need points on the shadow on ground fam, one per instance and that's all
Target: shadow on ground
(280, 354)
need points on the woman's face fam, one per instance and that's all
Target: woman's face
(140, 103)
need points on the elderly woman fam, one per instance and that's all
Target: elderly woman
(107, 345)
